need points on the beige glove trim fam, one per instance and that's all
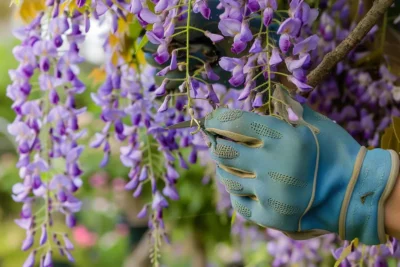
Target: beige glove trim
(349, 191)
(386, 193)
(239, 138)
(303, 235)
(307, 234)
(315, 177)
(238, 172)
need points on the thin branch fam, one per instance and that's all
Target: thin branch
(355, 37)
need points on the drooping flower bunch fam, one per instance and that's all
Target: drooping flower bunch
(369, 255)
(287, 251)
(281, 37)
(137, 120)
(365, 96)
(171, 26)
(46, 128)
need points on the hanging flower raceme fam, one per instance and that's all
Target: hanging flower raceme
(275, 39)
(133, 117)
(370, 96)
(287, 251)
(46, 129)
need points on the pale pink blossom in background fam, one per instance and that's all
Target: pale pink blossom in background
(119, 184)
(122, 229)
(98, 179)
(83, 237)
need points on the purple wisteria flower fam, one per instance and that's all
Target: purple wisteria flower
(46, 128)
(132, 113)
(294, 46)
(287, 251)
(372, 94)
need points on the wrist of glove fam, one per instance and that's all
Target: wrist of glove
(306, 180)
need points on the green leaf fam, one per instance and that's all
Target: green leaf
(134, 29)
(392, 262)
(150, 5)
(386, 137)
(15, 2)
(233, 218)
(393, 143)
(142, 43)
(346, 251)
(396, 127)
(391, 136)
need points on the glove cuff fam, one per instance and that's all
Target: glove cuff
(362, 213)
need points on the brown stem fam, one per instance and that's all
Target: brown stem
(355, 37)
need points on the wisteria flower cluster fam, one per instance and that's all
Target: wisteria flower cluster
(46, 128)
(189, 47)
(370, 94)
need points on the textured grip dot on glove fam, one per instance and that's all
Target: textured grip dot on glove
(225, 152)
(283, 208)
(232, 185)
(242, 210)
(230, 115)
(265, 131)
(286, 179)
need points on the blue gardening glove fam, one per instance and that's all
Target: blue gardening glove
(301, 181)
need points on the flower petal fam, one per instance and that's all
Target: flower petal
(306, 45)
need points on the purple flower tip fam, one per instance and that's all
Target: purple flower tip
(143, 174)
(80, 3)
(161, 90)
(164, 105)
(43, 237)
(214, 37)
(30, 261)
(174, 61)
(253, 5)
(28, 242)
(256, 47)
(258, 101)
(275, 57)
(210, 73)
(290, 26)
(300, 85)
(306, 45)
(291, 115)
(68, 243)
(268, 16)
(284, 43)
(142, 213)
(48, 260)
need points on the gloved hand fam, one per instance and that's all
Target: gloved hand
(302, 182)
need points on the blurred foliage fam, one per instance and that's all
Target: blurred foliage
(391, 136)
